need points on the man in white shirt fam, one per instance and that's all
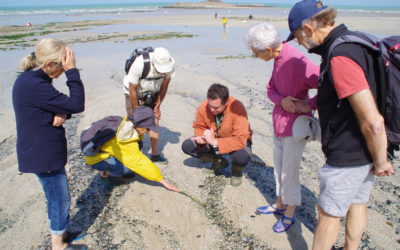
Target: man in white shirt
(150, 90)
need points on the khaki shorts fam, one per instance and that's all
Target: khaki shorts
(342, 186)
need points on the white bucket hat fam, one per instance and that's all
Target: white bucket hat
(163, 61)
(306, 128)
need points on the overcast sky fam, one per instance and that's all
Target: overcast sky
(4, 3)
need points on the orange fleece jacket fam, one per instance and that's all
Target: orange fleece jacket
(234, 130)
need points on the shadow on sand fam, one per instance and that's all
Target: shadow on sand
(165, 136)
(93, 200)
(263, 178)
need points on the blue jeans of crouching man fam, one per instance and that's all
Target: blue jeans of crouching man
(55, 187)
(113, 166)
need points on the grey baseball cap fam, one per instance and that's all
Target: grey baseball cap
(143, 117)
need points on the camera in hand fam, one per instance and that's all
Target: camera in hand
(149, 98)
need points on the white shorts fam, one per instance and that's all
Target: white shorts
(342, 186)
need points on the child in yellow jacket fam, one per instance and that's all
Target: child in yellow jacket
(121, 154)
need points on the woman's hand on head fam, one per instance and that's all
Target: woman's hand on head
(68, 60)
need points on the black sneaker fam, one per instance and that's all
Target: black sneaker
(219, 163)
(159, 159)
(76, 247)
(74, 236)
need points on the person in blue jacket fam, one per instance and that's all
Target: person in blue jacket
(40, 111)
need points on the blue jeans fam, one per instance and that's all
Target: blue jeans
(113, 166)
(55, 187)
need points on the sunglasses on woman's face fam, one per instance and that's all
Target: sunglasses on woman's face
(60, 65)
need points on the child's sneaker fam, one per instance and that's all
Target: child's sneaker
(159, 159)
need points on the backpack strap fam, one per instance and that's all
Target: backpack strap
(361, 38)
(372, 43)
(146, 66)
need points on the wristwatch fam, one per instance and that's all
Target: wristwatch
(216, 149)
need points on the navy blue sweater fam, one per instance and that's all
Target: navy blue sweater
(41, 147)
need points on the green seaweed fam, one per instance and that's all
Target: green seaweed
(161, 36)
(389, 223)
(12, 42)
(16, 36)
(198, 202)
(241, 56)
(51, 24)
(22, 35)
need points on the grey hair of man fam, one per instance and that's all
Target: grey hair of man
(262, 36)
(325, 17)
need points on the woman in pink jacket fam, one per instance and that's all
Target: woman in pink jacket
(292, 77)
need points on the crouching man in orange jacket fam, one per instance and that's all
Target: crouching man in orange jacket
(221, 127)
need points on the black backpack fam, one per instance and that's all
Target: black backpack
(146, 59)
(388, 99)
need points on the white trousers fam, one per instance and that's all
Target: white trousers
(287, 159)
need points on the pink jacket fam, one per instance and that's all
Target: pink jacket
(293, 75)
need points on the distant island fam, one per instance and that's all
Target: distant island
(213, 4)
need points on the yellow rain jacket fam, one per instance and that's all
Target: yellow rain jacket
(125, 148)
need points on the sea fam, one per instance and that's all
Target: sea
(19, 15)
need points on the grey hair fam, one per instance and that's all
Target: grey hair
(325, 17)
(47, 49)
(262, 36)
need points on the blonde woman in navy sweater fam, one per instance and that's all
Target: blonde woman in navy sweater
(40, 111)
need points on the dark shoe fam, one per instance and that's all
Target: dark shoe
(76, 247)
(74, 236)
(108, 182)
(159, 159)
(237, 170)
(207, 157)
(219, 163)
(129, 175)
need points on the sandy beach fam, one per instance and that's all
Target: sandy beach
(136, 213)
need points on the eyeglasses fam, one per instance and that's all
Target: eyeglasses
(216, 107)
(60, 65)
